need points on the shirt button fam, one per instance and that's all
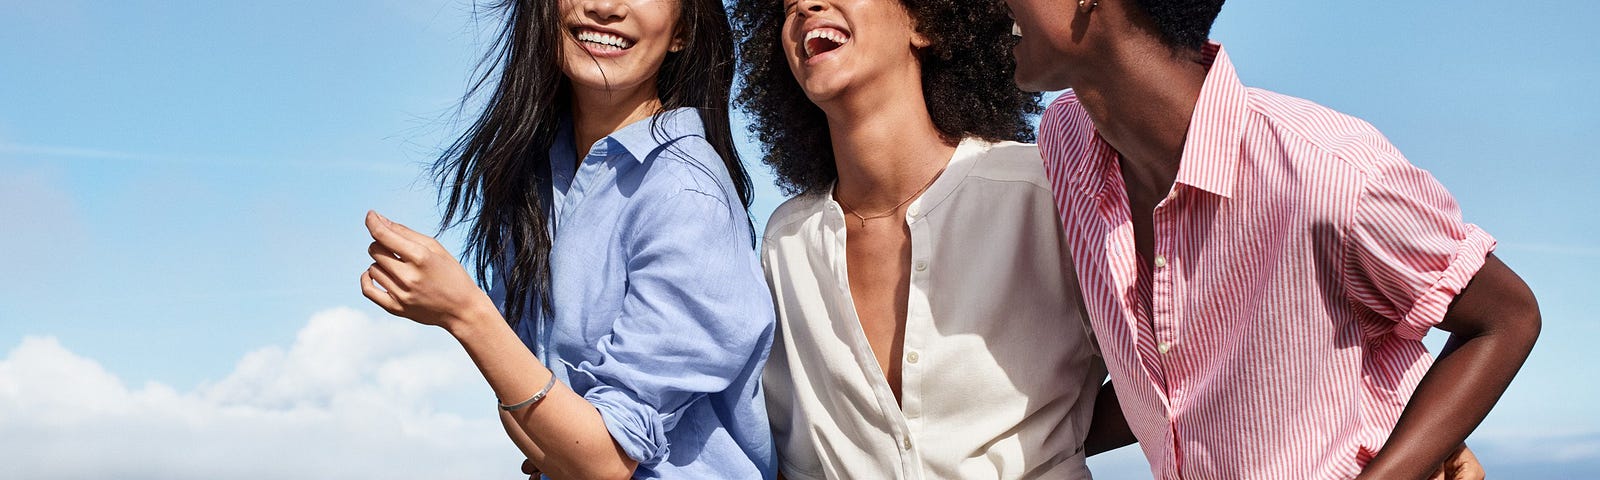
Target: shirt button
(831, 207)
(921, 266)
(912, 210)
(1163, 347)
(1161, 261)
(912, 357)
(906, 443)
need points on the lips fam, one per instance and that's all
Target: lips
(823, 40)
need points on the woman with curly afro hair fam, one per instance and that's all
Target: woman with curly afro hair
(929, 322)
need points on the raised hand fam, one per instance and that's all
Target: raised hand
(412, 276)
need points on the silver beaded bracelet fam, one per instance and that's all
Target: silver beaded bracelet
(536, 397)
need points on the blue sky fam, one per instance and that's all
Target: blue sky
(182, 184)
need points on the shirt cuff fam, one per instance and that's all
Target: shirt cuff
(636, 426)
(1433, 302)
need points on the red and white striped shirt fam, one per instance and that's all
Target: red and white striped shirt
(1298, 261)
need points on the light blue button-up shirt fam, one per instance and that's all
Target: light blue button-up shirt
(661, 318)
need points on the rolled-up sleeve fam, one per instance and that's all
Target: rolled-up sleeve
(1408, 252)
(694, 317)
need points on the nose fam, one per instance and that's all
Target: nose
(812, 6)
(605, 10)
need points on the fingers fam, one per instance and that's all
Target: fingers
(386, 259)
(1467, 466)
(385, 233)
(1461, 465)
(380, 297)
(407, 232)
(385, 280)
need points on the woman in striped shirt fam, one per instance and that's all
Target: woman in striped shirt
(1260, 270)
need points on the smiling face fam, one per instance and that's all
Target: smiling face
(1045, 52)
(834, 45)
(617, 45)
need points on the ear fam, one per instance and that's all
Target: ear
(680, 38)
(920, 41)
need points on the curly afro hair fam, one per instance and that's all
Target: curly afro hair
(966, 80)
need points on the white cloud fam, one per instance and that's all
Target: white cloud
(358, 397)
(352, 397)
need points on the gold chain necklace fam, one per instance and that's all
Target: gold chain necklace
(897, 206)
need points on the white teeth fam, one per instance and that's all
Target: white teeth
(1016, 30)
(603, 39)
(832, 35)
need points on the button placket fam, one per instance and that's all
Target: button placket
(919, 320)
(1163, 291)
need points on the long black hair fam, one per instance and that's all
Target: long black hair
(490, 176)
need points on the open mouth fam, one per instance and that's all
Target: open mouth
(601, 41)
(824, 40)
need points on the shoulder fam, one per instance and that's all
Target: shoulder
(787, 219)
(1066, 133)
(1010, 162)
(1324, 132)
(688, 164)
(1063, 112)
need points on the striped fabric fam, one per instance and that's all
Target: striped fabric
(1276, 330)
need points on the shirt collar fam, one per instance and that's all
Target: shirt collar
(639, 139)
(961, 163)
(1211, 147)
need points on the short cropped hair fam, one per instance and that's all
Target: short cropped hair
(1182, 24)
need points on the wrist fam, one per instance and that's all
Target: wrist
(473, 318)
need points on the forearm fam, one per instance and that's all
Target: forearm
(1495, 322)
(520, 438)
(564, 429)
(1108, 430)
(1455, 395)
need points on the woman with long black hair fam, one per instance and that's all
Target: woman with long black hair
(627, 322)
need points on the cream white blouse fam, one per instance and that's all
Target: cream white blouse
(999, 373)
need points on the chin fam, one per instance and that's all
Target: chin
(1031, 83)
(609, 79)
(1037, 79)
(824, 88)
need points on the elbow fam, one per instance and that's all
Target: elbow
(1528, 322)
(604, 470)
(619, 471)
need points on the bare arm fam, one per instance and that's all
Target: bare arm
(421, 281)
(1108, 430)
(1493, 324)
(530, 451)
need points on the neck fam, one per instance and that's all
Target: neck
(1141, 99)
(885, 145)
(596, 114)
